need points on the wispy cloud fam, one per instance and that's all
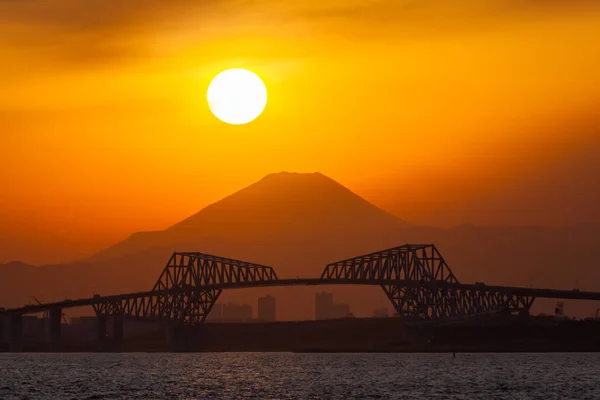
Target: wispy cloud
(91, 31)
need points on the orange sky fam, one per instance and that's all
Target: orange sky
(440, 114)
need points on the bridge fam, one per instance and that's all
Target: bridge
(415, 278)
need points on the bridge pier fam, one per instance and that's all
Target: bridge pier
(116, 341)
(55, 328)
(118, 328)
(101, 328)
(174, 337)
(2, 318)
(15, 340)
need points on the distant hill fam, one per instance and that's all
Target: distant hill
(299, 222)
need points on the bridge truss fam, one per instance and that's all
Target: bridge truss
(187, 289)
(436, 294)
(415, 278)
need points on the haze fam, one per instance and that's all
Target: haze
(440, 114)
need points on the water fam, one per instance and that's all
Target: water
(299, 376)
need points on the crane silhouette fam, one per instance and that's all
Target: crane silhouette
(63, 315)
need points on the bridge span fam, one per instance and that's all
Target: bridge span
(415, 278)
(99, 300)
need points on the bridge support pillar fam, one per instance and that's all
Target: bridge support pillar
(118, 328)
(174, 337)
(54, 326)
(16, 333)
(101, 328)
(2, 318)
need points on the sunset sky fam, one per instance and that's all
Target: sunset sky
(439, 113)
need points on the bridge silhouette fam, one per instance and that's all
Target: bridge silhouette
(415, 278)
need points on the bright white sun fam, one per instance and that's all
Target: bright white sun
(237, 96)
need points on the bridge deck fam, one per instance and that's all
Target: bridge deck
(521, 291)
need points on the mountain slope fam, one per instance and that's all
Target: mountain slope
(284, 201)
(283, 206)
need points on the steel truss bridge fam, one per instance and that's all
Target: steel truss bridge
(415, 278)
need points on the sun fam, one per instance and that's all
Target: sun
(237, 96)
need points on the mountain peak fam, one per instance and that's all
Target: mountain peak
(289, 175)
(284, 206)
(288, 200)
(294, 178)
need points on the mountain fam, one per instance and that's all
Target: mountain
(299, 222)
(283, 206)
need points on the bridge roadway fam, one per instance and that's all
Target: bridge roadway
(522, 291)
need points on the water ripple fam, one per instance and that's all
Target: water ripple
(299, 376)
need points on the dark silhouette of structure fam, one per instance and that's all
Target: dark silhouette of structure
(323, 305)
(325, 308)
(419, 283)
(267, 308)
(381, 313)
(415, 278)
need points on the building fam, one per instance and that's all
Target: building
(266, 308)
(323, 305)
(325, 308)
(382, 312)
(216, 313)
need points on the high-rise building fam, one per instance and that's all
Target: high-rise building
(266, 308)
(323, 305)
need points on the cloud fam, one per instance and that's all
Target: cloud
(91, 31)
(78, 33)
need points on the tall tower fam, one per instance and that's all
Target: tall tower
(323, 305)
(266, 308)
